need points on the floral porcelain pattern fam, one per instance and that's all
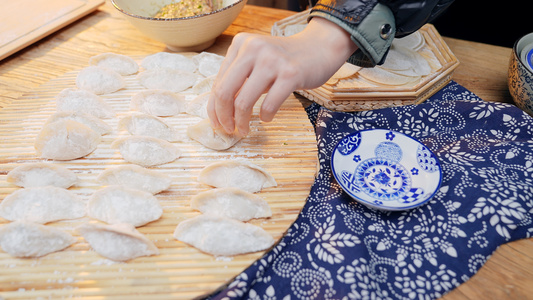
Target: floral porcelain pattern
(520, 82)
(386, 169)
(340, 249)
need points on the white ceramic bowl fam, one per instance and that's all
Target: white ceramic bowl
(386, 170)
(194, 33)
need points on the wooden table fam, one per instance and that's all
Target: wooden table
(508, 274)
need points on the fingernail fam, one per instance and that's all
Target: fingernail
(241, 132)
(229, 130)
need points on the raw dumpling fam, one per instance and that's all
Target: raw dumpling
(208, 63)
(231, 202)
(42, 205)
(148, 125)
(159, 103)
(167, 60)
(122, 64)
(25, 239)
(167, 79)
(83, 101)
(198, 106)
(119, 242)
(237, 173)
(137, 177)
(99, 80)
(90, 120)
(205, 85)
(66, 140)
(118, 204)
(146, 151)
(216, 139)
(42, 174)
(222, 236)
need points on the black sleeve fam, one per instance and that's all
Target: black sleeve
(411, 15)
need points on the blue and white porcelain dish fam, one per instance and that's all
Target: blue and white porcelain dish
(386, 170)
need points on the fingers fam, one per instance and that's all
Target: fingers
(220, 92)
(278, 93)
(232, 53)
(252, 66)
(211, 111)
(230, 79)
(249, 94)
(252, 90)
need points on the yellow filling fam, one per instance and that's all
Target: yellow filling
(184, 8)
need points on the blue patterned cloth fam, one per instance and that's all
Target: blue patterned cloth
(338, 249)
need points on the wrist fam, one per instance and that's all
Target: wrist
(331, 37)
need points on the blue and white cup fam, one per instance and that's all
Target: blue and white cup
(520, 76)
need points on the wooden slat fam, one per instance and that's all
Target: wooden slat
(285, 147)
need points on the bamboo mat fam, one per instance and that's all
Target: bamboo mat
(285, 147)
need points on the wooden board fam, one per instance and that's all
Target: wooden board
(27, 21)
(285, 147)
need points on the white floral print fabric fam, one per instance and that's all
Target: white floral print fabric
(339, 249)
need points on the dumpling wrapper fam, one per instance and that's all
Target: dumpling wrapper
(146, 151)
(42, 174)
(385, 77)
(236, 173)
(430, 57)
(76, 100)
(42, 205)
(221, 236)
(346, 70)
(208, 63)
(91, 121)
(118, 204)
(99, 80)
(148, 125)
(167, 60)
(159, 103)
(360, 81)
(137, 177)
(198, 106)
(167, 79)
(118, 242)
(232, 203)
(122, 64)
(26, 239)
(66, 140)
(216, 139)
(414, 41)
(406, 62)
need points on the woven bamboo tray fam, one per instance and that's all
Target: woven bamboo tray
(285, 147)
(356, 94)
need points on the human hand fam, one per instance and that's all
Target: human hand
(256, 64)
